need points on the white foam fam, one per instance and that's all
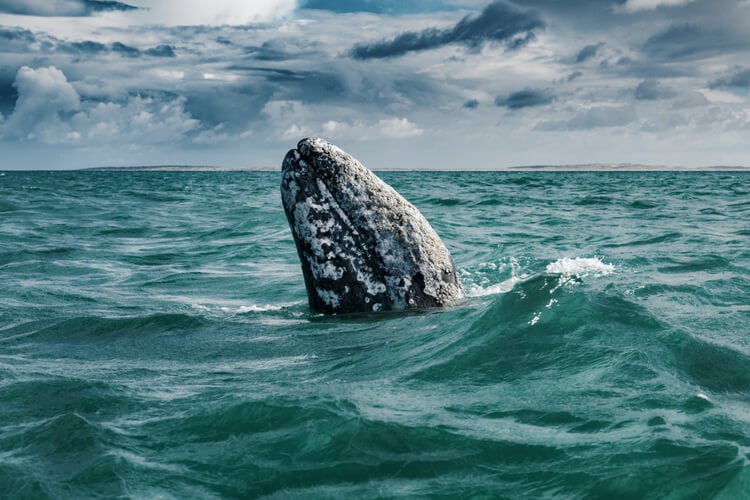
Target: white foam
(261, 308)
(240, 307)
(504, 287)
(580, 266)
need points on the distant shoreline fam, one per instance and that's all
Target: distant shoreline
(593, 167)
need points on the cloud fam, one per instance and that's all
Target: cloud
(195, 90)
(8, 93)
(290, 119)
(638, 5)
(15, 40)
(377, 6)
(389, 128)
(140, 120)
(738, 79)
(50, 111)
(63, 8)
(588, 52)
(526, 98)
(398, 128)
(43, 94)
(690, 99)
(691, 41)
(499, 22)
(213, 12)
(125, 50)
(650, 90)
(166, 12)
(278, 49)
(574, 75)
(592, 118)
(161, 51)
(471, 104)
(87, 47)
(23, 41)
(93, 48)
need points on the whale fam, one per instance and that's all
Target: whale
(362, 246)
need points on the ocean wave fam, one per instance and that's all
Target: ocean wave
(93, 327)
(152, 347)
(494, 278)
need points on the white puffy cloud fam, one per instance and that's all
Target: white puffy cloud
(214, 12)
(49, 110)
(398, 128)
(389, 128)
(293, 120)
(43, 94)
(141, 120)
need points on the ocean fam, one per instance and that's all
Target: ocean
(156, 342)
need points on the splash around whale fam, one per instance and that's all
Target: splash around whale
(362, 246)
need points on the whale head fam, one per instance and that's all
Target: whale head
(362, 246)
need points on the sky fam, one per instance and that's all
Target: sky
(441, 84)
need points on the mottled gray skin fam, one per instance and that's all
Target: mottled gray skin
(362, 246)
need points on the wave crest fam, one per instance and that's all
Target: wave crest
(580, 267)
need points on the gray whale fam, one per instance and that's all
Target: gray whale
(362, 246)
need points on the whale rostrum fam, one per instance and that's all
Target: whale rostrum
(362, 246)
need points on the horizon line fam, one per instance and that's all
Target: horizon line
(583, 167)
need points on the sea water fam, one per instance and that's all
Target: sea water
(155, 342)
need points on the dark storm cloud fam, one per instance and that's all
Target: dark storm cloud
(232, 106)
(526, 98)
(646, 69)
(8, 91)
(651, 90)
(18, 40)
(280, 50)
(125, 50)
(91, 48)
(588, 52)
(689, 41)
(499, 22)
(573, 76)
(738, 79)
(15, 39)
(87, 47)
(376, 6)
(161, 51)
(69, 8)
(303, 85)
(267, 52)
(471, 104)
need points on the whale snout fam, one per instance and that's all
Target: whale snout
(362, 246)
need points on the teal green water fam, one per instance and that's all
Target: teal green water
(155, 342)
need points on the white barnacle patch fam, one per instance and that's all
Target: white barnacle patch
(320, 207)
(372, 286)
(329, 271)
(329, 297)
(406, 282)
